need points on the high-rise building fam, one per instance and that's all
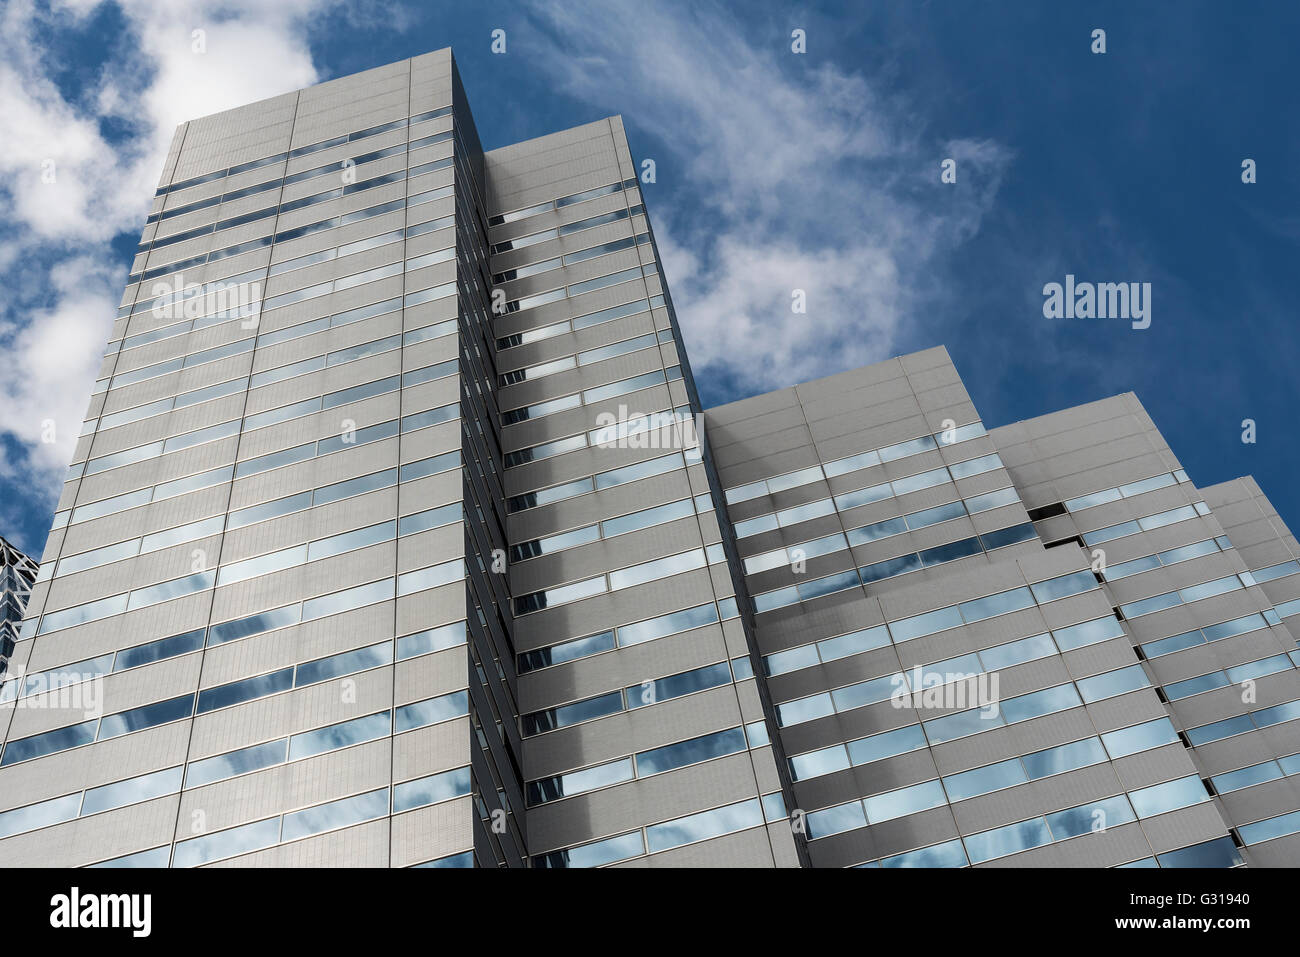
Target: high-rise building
(17, 572)
(396, 536)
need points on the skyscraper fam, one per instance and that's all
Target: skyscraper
(396, 536)
(17, 572)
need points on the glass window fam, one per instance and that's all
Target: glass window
(1147, 485)
(1220, 852)
(889, 568)
(948, 854)
(430, 790)
(1220, 729)
(1038, 703)
(834, 820)
(353, 810)
(227, 765)
(704, 748)
(246, 689)
(933, 516)
(1192, 686)
(1123, 570)
(920, 480)
(1011, 839)
(1064, 757)
(675, 686)
(1271, 828)
(148, 716)
(804, 709)
(904, 449)
(81, 614)
(1169, 796)
(1246, 777)
(344, 663)
(1113, 683)
(852, 463)
(565, 715)
(579, 782)
(1000, 604)
(1097, 816)
(659, 568)
(648, 517)
(132, 790)
(863, 496)
(1010, 535)
(1063, 586)
(346, 600)
(1087, 633)
(99, 556)
(926, 624)
(950, 552)
(815, 763)
(261, 565)
(595, 854)
(566, 651)
(39, 815)
(866, 692)
(254, 624)
(421, 714)
(706, 824)
(1238, 626)
(348, 541)
(887, 744)
(903, 801)
(259, 513)
(1094, 498)
(60, 739)
(853, 643)
(156, 857)
(961, 724)
(1016, 652)
(235, 840)
(985, 463)
(1209, 589)
(991, 500)
(993, 777)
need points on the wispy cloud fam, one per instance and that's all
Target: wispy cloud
(793, 174)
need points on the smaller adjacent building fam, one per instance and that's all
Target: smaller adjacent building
(17, 572)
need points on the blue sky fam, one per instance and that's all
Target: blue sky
(775, 172)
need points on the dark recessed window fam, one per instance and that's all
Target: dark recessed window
(1046, 511)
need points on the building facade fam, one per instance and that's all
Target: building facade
(397, 536)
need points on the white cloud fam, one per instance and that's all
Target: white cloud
(63, 282)
(801, 176)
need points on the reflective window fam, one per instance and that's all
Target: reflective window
(1099, 815)
(132, 790)
(227, 765)
(236, 840)
(430, 790)
(693, 751)
(353, 810)
(706, 824)
(1171, 795)
(1011, 839)
(421, 714)
(339, 735)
